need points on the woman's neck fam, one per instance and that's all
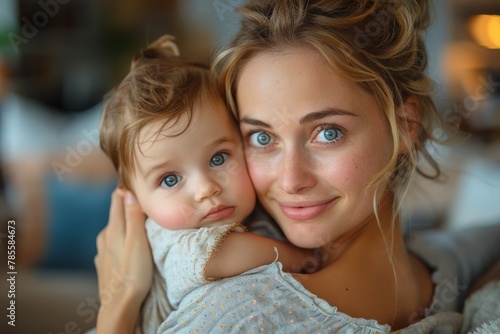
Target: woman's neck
(374, 264)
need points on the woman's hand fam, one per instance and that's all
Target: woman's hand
(124, 265)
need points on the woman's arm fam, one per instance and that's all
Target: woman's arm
(124, 265)
(240, 252)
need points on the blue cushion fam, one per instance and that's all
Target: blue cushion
(77, 212)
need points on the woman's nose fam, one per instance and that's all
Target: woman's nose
(207, 187)
(295, 174)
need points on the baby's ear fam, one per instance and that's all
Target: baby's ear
(410, 114)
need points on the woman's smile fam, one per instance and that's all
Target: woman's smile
(305, 210)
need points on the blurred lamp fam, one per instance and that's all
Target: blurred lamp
(486, 30)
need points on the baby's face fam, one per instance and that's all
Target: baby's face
(195, 179)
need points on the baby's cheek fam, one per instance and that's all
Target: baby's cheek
(174, 216)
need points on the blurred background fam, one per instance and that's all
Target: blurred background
(59, 57)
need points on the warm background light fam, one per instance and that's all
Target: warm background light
(486, 30)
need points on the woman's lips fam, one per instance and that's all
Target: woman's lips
(304, 210)
(220, 212)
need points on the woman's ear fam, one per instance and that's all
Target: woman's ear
(410, 115)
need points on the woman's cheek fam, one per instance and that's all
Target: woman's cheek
(260, 172)
(360, 174)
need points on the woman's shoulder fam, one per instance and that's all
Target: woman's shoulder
(455, 260)
(349, 290)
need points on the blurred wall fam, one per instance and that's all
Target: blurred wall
(71, 52)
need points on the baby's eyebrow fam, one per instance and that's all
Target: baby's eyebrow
(148, 170)
(222, 140)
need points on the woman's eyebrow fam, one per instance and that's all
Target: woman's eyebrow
(316, 115)
(313, 116)
(256, 122)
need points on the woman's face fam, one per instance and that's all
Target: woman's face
(313, 142)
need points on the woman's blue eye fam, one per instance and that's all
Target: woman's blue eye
(218, 159)
(260, 139)
(171, 180)
(328, 134)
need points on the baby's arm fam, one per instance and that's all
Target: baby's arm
(240, 252)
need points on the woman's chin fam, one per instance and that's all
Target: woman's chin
(305, 238)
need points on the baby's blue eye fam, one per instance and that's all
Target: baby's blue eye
(260, 138)
(171, 180)
(328, 134)
(218, 159)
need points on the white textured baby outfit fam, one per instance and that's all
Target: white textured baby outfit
(180, 258)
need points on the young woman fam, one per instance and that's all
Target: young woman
(334, 108)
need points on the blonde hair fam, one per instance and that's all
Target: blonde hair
(373, 43)
(160, 86)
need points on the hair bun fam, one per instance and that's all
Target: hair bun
(163, 47)
(166, 43)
